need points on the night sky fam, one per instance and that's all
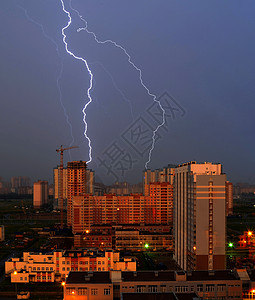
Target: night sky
(196, 56)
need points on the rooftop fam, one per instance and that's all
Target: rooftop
(88, 277)
(212, 275)
(148, 276)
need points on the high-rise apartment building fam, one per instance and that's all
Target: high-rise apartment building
(56, 187)
(20, 181)
(159, 175)
(76, 184)
(40, 195)
(90, 181)
(199, 216)
(158, 208)
(133, 209)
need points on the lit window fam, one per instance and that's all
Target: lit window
(82, 291)
(94, 291)
(70, 291)
(153, 289)
(107, 291)
(209, 288)
(140, 289)
(200, 288)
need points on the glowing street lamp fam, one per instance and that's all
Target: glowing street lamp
(231, 245)
(249, 233)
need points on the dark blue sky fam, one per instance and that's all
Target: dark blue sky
(201, 53)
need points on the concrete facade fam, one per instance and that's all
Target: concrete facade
(40, 193)
(199, 216)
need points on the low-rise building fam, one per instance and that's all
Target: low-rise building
(137, 240)
(50, 267)
(222, 284)
(126, 237)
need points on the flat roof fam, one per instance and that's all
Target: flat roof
(148, 276)
(88, 277)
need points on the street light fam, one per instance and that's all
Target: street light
(231, 245)
(16, 290)
(63, 285)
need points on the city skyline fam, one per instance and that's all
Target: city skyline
(206, 72)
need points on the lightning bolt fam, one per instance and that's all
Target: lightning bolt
(60, 71)
(90, 74)
(108, 41)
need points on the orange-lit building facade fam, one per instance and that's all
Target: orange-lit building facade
(50, 267)
(76, 184)
(200, 216)
(111, 285)
(40, 193)
(229, 198)
(157, 208)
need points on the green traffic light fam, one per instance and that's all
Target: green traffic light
(146, 246)
(231, 245)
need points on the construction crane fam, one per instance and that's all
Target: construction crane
(60, 179)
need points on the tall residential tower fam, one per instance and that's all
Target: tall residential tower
(200, 216)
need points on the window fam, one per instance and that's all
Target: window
(94, 291)
(181, 289)
(51, 269)
(221, 287)
(63, 269)
(63, 262)
(209, 288)
(68, 269)
(21, 278)
(163, 288)
(153, 288)
(107, 291)
(200, 288)
(38, 268)
(86, 262)
(34, 268)
(140, 289)
(70, 291)
(99, 262)
(82, 291)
